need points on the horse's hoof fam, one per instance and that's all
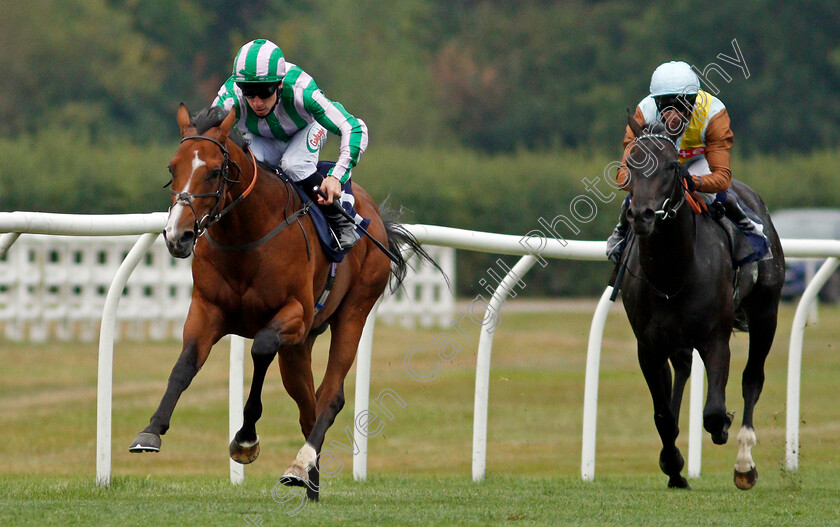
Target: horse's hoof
(295, 476)
(244, 453)
(678, 482)
(145, 442)
(746, 480)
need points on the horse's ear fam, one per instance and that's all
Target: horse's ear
(228, 122)
(634, 125)
(183, 118)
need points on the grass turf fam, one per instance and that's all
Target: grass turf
(419, 463)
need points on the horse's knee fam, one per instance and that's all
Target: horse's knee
(266, 344)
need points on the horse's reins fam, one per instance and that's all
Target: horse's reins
(186, 198)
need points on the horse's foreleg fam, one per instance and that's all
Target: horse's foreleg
(286, 328)
(716, 420)
(197, 343)
(658, 377)
(681, 360)
(245, 446)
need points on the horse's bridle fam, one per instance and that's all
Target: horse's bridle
(665, 212)
(187, 198)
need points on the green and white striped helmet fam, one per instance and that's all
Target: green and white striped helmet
(259, 61)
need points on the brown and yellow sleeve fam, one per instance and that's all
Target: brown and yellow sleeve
(718, 143)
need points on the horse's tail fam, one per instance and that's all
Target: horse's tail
(399, 238)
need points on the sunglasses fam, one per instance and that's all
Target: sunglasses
(682, 103)
(260, 90)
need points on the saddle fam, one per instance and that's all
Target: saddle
(326, 238)
(741, 247)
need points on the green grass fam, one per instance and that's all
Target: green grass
(811, 498)
(419, 465)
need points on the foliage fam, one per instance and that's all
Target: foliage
(58, 171)
(483, 114)
(486, 74)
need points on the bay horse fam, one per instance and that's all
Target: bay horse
(258, 279)
(679, 294)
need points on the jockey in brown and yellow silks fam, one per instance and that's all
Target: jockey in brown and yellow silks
(700, 123)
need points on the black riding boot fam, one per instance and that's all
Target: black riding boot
(618, 238)
(752, 228)
(343, 229)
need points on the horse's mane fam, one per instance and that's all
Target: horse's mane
(213, 116)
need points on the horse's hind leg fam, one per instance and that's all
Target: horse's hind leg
(762, 331)
(296, 369)
(346, 330)
(658, 377)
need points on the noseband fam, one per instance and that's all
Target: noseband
(187, 198)
(667, 212)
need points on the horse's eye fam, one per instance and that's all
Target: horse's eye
(216, 172)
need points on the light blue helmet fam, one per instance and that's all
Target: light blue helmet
(674, 78)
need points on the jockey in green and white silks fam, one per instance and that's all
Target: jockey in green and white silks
(286, 118)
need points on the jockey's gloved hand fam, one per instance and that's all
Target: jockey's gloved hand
(689, 179)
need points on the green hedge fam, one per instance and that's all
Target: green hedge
(60, 171)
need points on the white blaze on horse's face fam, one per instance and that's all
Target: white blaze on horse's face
(178, 208)
(174, 230)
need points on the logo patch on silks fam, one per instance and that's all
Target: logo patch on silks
(315, 138)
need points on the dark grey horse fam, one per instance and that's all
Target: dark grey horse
(679, 291)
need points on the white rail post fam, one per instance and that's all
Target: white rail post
(236, 399)
(104, 385)
(794, 379)
(590, 390)
(362, 400)
(6, 241)
(482, 370)
(695, 416)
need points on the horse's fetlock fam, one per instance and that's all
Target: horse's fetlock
(338, 403)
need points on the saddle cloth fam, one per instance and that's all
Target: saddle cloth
(746, 246)
(325, 237)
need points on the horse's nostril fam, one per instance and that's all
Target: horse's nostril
(648, 215)
(187, 237)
